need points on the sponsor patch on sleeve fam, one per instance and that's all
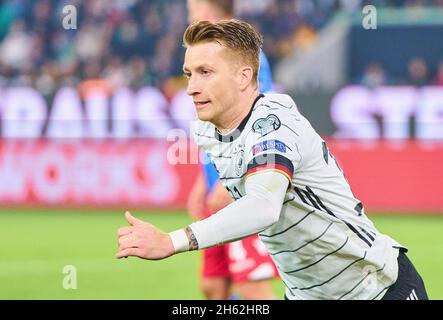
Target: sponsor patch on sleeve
(269, 145)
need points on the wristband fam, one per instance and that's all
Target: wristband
(180, 240)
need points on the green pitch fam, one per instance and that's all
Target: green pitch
(36, 245)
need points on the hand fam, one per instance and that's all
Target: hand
(143, 240)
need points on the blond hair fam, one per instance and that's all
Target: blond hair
(236, 35)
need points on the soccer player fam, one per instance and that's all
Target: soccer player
(245, 263)
(288, 186)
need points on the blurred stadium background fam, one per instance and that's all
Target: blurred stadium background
(86, 116)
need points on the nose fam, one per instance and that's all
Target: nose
(193, 87)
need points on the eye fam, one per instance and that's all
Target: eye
(205, 72)
(187, 74)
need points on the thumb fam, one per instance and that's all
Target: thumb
(132, 221)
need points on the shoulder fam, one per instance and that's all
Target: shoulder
(278, 101)
(276, 116)
(274, 105)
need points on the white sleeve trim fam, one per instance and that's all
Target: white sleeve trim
(257, 210)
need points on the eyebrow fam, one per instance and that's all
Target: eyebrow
(185, 70)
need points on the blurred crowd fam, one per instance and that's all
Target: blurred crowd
(418, 75)
(136, 43)
(127, 42)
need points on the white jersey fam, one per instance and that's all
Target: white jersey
(323, 244)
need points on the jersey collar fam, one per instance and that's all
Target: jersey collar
(229, 137)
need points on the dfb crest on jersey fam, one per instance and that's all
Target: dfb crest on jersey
(239, 159)
(266, 125)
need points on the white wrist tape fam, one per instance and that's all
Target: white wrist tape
(180, 240)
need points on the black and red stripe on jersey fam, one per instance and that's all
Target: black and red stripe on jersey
(271, 161)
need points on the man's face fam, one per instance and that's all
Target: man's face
(213, 81)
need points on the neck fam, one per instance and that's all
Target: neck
(233, 120)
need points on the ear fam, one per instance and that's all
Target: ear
(246, 74)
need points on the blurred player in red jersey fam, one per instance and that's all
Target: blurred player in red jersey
(244, 263)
